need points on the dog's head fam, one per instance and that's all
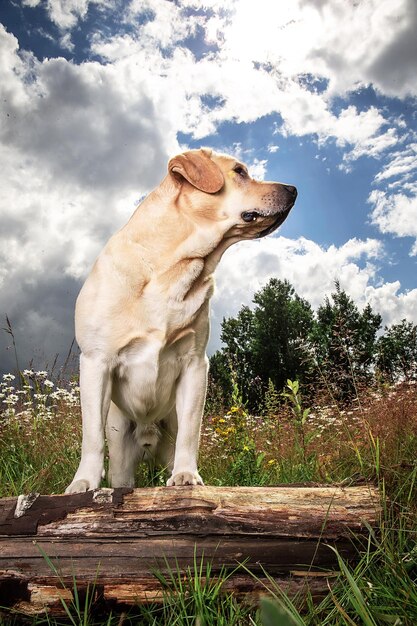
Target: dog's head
(218, 188)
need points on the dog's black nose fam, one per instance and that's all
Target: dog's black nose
(292, 190)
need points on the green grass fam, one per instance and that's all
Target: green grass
(373, 439)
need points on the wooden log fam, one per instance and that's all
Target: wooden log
(115, 539)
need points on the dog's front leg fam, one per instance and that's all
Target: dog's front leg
(190, 397)
(95, 391)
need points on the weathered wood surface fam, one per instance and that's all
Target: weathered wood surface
(116, 539)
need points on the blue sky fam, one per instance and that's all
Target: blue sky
(97, 95)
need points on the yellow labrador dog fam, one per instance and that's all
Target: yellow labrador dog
(142, 316)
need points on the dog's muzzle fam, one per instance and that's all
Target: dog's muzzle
(286, 202)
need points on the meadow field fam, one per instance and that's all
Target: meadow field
(372, 438)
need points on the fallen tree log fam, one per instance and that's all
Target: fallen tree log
(116, 539)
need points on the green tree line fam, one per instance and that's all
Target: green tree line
(338, 347)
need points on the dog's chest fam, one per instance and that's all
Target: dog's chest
(145, 377)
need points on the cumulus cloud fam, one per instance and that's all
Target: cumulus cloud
(395, 214)
(81, 142)
(168, 25)
(50, 237)
(347, 44)
(357, 44)
(393, 69)
(253, 59)
(67, 13)
(401, 166)
(85, 123)
(362, 133)
(395, 304)
(31, 3)
(79, 146)
(312, 270)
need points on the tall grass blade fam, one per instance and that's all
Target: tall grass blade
(273, 614)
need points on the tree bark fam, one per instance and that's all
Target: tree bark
(114, 540)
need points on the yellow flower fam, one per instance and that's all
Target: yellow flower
(271, 462)
(245, 449)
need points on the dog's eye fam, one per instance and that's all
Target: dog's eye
(240, 170)
(249, 216)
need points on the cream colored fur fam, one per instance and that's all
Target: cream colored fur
(142, 316)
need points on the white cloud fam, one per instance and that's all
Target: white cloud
(249, 81)
(341, 43)
(31, 3)
(50, 237)
(401, 164)
(88, 124)
(13, 73)
(394, 304)
(312, 270)
(66, 42)
(360, 132)
(67, 13)
(395, 214)
(81, 142)
(257, 169)
(347, 44)
(168, 26)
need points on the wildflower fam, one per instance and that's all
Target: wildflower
(41, 374)
(245, 449)
(48, 383)
(272, 462)
(11, 399)
(28, 373)
(8, 377)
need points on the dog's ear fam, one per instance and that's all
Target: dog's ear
(197, 167)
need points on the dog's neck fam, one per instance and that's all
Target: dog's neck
(148, 224)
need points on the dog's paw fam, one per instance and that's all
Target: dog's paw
(78, 486)
(185, 478)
